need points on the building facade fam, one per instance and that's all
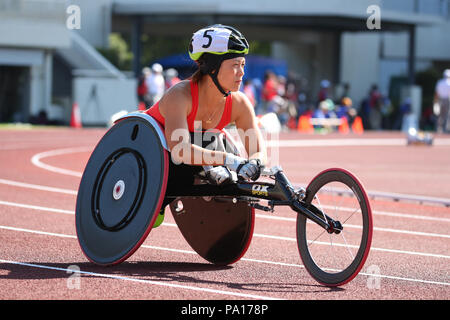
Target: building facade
(338, 40)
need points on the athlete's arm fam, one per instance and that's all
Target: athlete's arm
(244, 116)
(174, 107)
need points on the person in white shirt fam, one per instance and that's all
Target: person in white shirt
(156, 83)
(442, 103)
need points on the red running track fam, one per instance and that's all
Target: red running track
(40, 170)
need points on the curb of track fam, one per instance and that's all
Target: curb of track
(397, 197)
(407, 197)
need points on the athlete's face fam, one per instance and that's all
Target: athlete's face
(231, 72)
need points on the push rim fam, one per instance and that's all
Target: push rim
(118, 190)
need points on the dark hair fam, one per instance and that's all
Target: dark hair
(206, 63)
(199, 73)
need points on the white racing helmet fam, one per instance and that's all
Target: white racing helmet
(213, 44)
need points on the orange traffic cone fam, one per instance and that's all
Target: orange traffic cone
(357, 126)
(75, 119)
(343, 128)
(304, 125)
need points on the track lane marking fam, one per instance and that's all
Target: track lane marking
(151, 282)
(348, 142)
(167, 224)
(414, 233)
(37, 187)
(33, 207)
(36, 160)
(243, 259)
(265, 216)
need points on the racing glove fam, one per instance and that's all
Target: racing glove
(248, 169)
(219, 175)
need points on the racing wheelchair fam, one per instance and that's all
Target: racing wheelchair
(124, 185)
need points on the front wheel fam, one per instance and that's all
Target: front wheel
(335, 259)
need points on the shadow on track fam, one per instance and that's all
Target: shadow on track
(181, 272)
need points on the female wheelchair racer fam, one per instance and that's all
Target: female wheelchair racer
(130, 177)
(209, 101)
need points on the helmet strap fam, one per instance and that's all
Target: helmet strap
(213, 76)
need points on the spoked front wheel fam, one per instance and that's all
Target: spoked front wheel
(334, 259)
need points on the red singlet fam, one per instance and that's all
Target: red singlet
(225, 120)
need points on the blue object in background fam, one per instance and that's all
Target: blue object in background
(255, 66)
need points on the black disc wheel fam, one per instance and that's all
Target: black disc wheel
(121, 191)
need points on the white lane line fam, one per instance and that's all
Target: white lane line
(392, 196)
(374, 212)
(37, 187)
(432, 255)
(264, 216)
(151, 282)
(368, 142)
(415, 233)
(408, 216)
(334, 143)
(242, 259)
(40, 208)
(258, 235)
(39, 232)
(36, 160)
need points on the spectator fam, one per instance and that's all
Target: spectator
(325, 111)
(346, 91)
(249, 91)
(171, 77)
(156, 83)
(345, 109)
(302, 106)
(269, 91)
(375, 105)
(406, 118)
(281, 86)
(442, 103)
(323, 92)
(142, 90)
(386, 112)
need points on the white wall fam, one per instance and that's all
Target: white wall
(312, 55)
(38, 24)
(322, 7)
(360, 63)
(112, 96)
(95, 25)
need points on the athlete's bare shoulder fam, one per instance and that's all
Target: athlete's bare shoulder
(176, 99)
(242, 106)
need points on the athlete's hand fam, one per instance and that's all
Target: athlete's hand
(248, 169)
(219, 175)
(251, 170)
